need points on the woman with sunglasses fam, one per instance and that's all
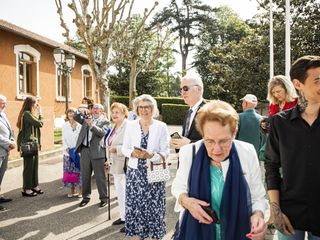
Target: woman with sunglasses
(218, 185)
(145, 202)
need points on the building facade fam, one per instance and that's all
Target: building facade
(27, 67)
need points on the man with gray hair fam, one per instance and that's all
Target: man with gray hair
(191, 89)
(249, 122)
(7, 143)
(93, 155)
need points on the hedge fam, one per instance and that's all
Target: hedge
(160, 101)
(120, 99)
(173, 114)
(168, 100)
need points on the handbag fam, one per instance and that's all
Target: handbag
(158, 172)
(30, 148)
(70, 177)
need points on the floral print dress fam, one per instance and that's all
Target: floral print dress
(145, 203)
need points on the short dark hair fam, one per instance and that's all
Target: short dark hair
(300, 67)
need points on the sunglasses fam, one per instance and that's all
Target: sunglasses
(185, 88)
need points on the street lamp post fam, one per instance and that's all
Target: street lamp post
(65, 66)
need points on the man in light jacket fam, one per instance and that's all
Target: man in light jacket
(7, 143)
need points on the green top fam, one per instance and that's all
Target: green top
(30, 123)
(217, 184)
(249, 128)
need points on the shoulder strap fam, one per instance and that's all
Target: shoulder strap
(193, 151)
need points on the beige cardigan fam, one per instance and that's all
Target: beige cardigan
(117, 141)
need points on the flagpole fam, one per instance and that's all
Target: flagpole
(287, 39)
(271, 57)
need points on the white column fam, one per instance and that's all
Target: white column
(271, 57)
(288, 45)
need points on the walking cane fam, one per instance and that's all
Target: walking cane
(109, 204)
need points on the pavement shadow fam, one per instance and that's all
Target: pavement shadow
(47, 215)
(112, 232)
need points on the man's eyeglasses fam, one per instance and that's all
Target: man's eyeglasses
(144, 107)
(185, 88)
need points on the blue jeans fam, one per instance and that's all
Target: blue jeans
(299, 235)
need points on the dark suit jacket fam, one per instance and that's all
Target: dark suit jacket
(99, 129)
(193, 133)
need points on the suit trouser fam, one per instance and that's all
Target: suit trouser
(3, 167)
(97, 165)
(30, 172)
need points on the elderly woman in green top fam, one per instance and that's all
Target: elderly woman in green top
(29, 123)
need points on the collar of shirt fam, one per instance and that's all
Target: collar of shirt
(196, 106)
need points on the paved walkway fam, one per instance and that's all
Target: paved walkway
(54, 216)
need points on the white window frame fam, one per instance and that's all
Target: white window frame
(63, 98)
(36, 59)
(88, 68)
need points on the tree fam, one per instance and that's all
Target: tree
(227, 57)
(186, 21)
(96, 22)
(305, 35)
(141, 46)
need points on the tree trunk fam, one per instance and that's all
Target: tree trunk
(133, 81)
(184, 63)
(104, 94)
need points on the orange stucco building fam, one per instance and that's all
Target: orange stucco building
(27, 66)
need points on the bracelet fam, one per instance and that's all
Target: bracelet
(180, 198)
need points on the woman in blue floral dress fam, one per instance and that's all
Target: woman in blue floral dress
(145, 202)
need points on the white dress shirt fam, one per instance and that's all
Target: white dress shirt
(69, 136)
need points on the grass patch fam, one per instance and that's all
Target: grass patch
(57, 136)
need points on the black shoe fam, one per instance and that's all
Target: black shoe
(2, 208)
(3, 199)
(102, 204)
(39, 191)
(84, 202)
(123, 229)
(32, 194)
(118, 222)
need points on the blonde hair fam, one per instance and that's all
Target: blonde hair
(286, 84)
(123, 108)
(146, 98)
(219, 111)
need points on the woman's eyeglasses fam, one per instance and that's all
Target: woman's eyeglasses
(224, 143)
(144, 107)
(186, 88)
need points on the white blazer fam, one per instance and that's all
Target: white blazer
(158, 140)
(249, 164)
